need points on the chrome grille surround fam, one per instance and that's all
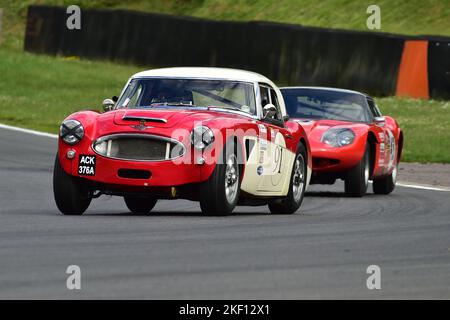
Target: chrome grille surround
(143, 143)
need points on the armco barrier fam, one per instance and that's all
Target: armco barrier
(288, 54)
(439, 67)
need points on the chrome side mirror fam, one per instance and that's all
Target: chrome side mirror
(381, 121)
(269, 111)
(108, 104)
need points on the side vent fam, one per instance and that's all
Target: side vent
(249, 144)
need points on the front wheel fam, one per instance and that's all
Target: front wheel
(71, 193)
(385, 185)
(220, 193)
(140, 205)
(357, 178)
(294, 198)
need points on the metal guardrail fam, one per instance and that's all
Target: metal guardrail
(288, 54)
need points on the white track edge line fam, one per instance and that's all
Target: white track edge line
(420, 186)
(34, 132)
(423, 187)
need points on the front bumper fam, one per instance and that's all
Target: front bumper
(327, 159)
(164, 173)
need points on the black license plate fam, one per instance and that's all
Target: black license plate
(86, 165)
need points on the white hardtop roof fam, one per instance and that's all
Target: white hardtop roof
(326, 88)
(205, 73)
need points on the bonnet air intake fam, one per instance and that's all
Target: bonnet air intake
(146, 119)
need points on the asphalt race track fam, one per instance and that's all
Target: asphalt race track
(176, 253)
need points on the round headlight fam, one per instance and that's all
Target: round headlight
(101, 147)
(202, 137)
(338, 137)
(71, 131)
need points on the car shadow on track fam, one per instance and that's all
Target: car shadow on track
(333, 194)
(173, 214)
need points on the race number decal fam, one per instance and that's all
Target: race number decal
(278, 161)
(278, 158)
(86, 165)
(392, 147)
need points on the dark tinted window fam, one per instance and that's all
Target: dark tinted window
(264, 95)
(274, 99)
(373, 108)
(326, 104)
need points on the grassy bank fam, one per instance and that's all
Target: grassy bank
(38, 92)
(397, 16)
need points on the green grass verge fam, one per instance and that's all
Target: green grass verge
(425, 124)
(39, 91)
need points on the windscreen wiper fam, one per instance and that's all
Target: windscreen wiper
(174, 104)
(224, 107)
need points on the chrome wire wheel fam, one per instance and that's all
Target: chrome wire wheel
(231, 179)
(298, 178)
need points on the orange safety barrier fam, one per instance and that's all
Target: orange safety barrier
(412, 78)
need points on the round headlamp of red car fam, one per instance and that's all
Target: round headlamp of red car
(338, 137)
(71, 131)
(201, 137)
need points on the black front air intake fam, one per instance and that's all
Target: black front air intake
(134, 174)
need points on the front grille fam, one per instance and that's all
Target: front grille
(140, 147)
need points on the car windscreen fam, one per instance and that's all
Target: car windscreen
(163, 92)
(326, 104)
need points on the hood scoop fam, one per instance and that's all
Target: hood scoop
(152, 118)
(143, 119)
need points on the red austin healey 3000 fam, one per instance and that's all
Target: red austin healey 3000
(218, 136)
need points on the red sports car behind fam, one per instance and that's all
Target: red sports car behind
(349, 138)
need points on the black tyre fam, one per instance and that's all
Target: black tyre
(357, 179)
(294, 198)
(71, 193)
(385, 185)
(140, 205)
(220, 194)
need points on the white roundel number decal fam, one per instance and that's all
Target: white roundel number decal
(392, 148)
